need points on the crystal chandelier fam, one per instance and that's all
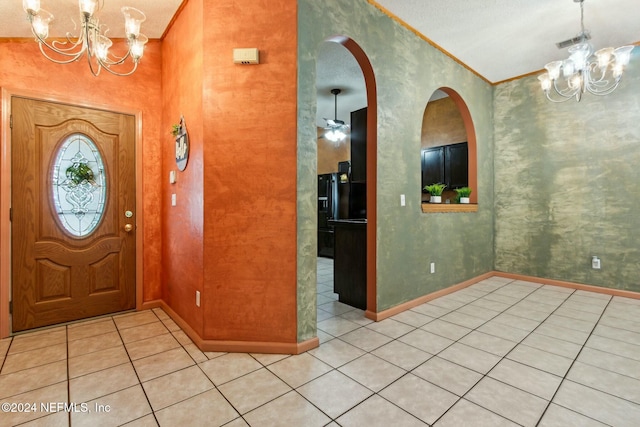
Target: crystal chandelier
(91, 39)
(584, 71)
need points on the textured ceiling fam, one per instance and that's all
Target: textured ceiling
(338, 69)
(497, 39)
(503, 39)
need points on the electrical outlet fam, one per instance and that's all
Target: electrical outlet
(197, 298)
(433, 267)
(595, 263)
(174, 200)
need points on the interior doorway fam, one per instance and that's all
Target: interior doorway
(344, 56)
(73, 245)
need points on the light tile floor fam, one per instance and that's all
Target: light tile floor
(498, 353)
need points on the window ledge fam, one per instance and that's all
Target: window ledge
(449, 207)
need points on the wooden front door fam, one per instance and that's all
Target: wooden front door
(72, 213)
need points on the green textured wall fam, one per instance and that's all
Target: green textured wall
(567, 183)
(407, 72)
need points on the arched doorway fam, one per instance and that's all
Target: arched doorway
(371, 163)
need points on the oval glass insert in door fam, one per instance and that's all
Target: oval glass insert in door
(79, 185)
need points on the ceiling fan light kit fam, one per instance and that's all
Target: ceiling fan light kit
(598, 73)
(91, 40)
(336, 129)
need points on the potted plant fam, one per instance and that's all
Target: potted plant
(463, 194)
(435, 190)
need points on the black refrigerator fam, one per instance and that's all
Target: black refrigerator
(327, 210)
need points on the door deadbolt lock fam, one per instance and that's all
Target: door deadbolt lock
(128, 214)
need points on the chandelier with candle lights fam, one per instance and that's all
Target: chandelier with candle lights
(91, 40)
(598, 73)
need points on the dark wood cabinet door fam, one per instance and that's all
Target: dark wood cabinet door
(433, 166)
(457, 165)
(350, 264)
(359, 145)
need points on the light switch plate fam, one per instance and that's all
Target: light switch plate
(172, 177)
(174, 200)
(403, 202)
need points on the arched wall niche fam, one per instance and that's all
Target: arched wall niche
(467, 122)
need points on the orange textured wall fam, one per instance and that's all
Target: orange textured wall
(250, 172)
(442, 124)
(183, 234)
(22, 67)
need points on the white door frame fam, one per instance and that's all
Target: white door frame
(5, 191)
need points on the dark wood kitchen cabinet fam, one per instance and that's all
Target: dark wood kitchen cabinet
(359, 145)
(433, 166)
(350, 262)
(447, 164)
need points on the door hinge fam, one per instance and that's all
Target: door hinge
(11, 121)
(10, 307)
(10, 214)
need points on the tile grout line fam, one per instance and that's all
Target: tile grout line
(521, 343)
(338, 337)
(196, 364)
(485, 375)
(392, 340)
(564, 377)
(411, 370)
(118, 330)
(66, 335)
(549, 401)
(459, 398)
(6, 354)
(369, 352)
(580, 351)
(564, 304)
(153, 413)
(215, 387)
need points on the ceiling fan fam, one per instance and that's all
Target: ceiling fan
(336, 129)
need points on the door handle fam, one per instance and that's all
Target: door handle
(128, 228)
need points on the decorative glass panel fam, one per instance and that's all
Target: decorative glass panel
(79, 185)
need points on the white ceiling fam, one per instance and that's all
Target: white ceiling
(503, 39)
(497, 39)
(338, 69)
